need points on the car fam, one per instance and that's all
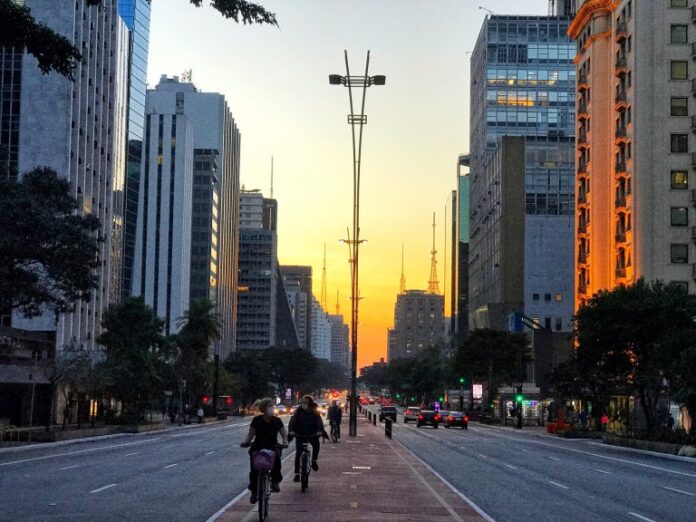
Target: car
(387, 411)
(411, 414)
(322, 407)
(457, 419)
(280, 409)
(428, 418)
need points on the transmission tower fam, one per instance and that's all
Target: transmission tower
(433, 284)
(271, 177)
(338, 304)
(323, 283)
(402, 283)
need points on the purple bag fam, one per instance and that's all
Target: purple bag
(263, 460)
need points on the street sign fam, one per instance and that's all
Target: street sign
(478, 391)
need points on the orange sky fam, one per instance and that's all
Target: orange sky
(276, 84)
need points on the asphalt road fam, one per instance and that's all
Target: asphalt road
(178, 475)
(528, 476)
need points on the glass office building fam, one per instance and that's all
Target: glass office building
(523, 84)
(136, 15)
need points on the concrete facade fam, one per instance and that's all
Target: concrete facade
(303, 275)
(339, 340)
(419, 323)
(321, 332)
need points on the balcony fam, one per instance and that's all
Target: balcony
(583, 82)
(620, 273)
(621, 100)
(620, 201)
(582, 288)
(620, 237)
(582, 110)
(582, 167)
(621, 65)
(582, 139)
(582, 198)
(621, 32)
(621, 134)
(620, 167)
(582, 257)
(582, 228)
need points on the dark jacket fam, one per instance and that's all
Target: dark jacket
(305, 423)
(335, 414)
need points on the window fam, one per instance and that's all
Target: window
(559, 297)
(547, 297)
(678, 3)
(559, 324)
(679, 143)
(679, 70)
(535, 297)
(680, 179)
(682, 285)
(547, 323)
(679, 34)
(679, 216)
(679, 107)
(679, 254)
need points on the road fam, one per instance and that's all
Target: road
(184, 474)
(528, 476)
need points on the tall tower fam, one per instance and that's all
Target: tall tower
(402, 283)
(271, 196)
(323, 283)
(433, 284)
(338, 304)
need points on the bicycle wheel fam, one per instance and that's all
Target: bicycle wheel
(262, 496)
(305, 481)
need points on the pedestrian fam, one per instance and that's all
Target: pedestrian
(200, 414)
(605, 422)
(583, 418)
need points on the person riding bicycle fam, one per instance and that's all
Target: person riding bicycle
(264, 430)
(335, 414)
(306, 425)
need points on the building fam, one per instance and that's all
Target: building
(162, 261)
(459, 325)
(636, 148)
(299, 308)
(523, 84)
(258, 276)
(209, 173)
(321, 332)
(419, 323)
(303, 275)
(497, 245)
(78, 129)
(136, 15)
(340, 350)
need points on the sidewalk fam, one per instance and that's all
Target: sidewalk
(366, 478)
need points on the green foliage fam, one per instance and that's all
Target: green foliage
(327, 375)
(56, 53)
(248, 369)
(134, 346)
(48, 250)
(290, 367)
(423, 376)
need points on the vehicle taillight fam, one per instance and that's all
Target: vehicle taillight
(466, 419)
(437, 417)
(450, 418)
(420, 417)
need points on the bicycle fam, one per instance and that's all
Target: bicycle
(305, 461)
(263, 461)
(335, 431)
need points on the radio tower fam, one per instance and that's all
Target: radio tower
(323, 283)
(433, 284)
(338, 304)
(402, 283)
(271, 177)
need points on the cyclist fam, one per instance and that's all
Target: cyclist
(264, 430)
(306, 425)
(335, 414)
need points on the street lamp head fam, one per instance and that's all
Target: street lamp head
(335, 79)
(380, 79)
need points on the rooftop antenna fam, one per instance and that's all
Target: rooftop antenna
(402, 283)
(323, 283)
(433, 283)
(271, 177)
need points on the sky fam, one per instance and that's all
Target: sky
(276, 84)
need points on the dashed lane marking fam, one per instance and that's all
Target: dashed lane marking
(69, 467)
(641, 517)
(557, 484)
(603, 471)
(510, 466)
(679, 491)
(170, 466)
(109, 486)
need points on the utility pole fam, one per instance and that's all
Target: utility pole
(33, 393)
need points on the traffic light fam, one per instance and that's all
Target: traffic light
(398, 395)
(228, 401)
(519, 398)
(441, 398)
(205, 399)
(462, 380)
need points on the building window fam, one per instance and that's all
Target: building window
(679, 143)
(547, 323)
(679, 3)
(679, 254)
(679, 179)
(679, 70)
(547, 297)
(679, 107)
(682, 285)
(559, 324)
(535, 297)
(559, 297)
(679, 216)
(679, 34)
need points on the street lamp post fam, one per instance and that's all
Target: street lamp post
(355, 120)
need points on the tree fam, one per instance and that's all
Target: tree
(56, 53)
(288, 367)
(250, 371)
(328, 375)
(48, 250)
(200, 327)
(134, 342)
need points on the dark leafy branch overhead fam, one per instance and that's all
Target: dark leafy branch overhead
(56, 53)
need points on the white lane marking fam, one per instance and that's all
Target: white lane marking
(91, 450)
(170, 466)
(641, 517)
(102, 488)
(69, 467)
(603, 471)
(530, 441)
(209, 453)
(215, 516)
(454, 490)
(557, 484)
(510, 466)
(680, 491)
(130, 454)
(498, 443)
(482, 456)
(553, 458)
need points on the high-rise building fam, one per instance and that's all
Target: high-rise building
(78, 128)
(136, 15)
(419, 323)
(299, 308)
(303, 275)
(460, 254)
(212, 171)
(339, 340)
(258, 277)
(635, 150)
(523, 84)
(162, 261)
(321, 332)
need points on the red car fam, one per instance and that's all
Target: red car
(428, 418)
(458, 419)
